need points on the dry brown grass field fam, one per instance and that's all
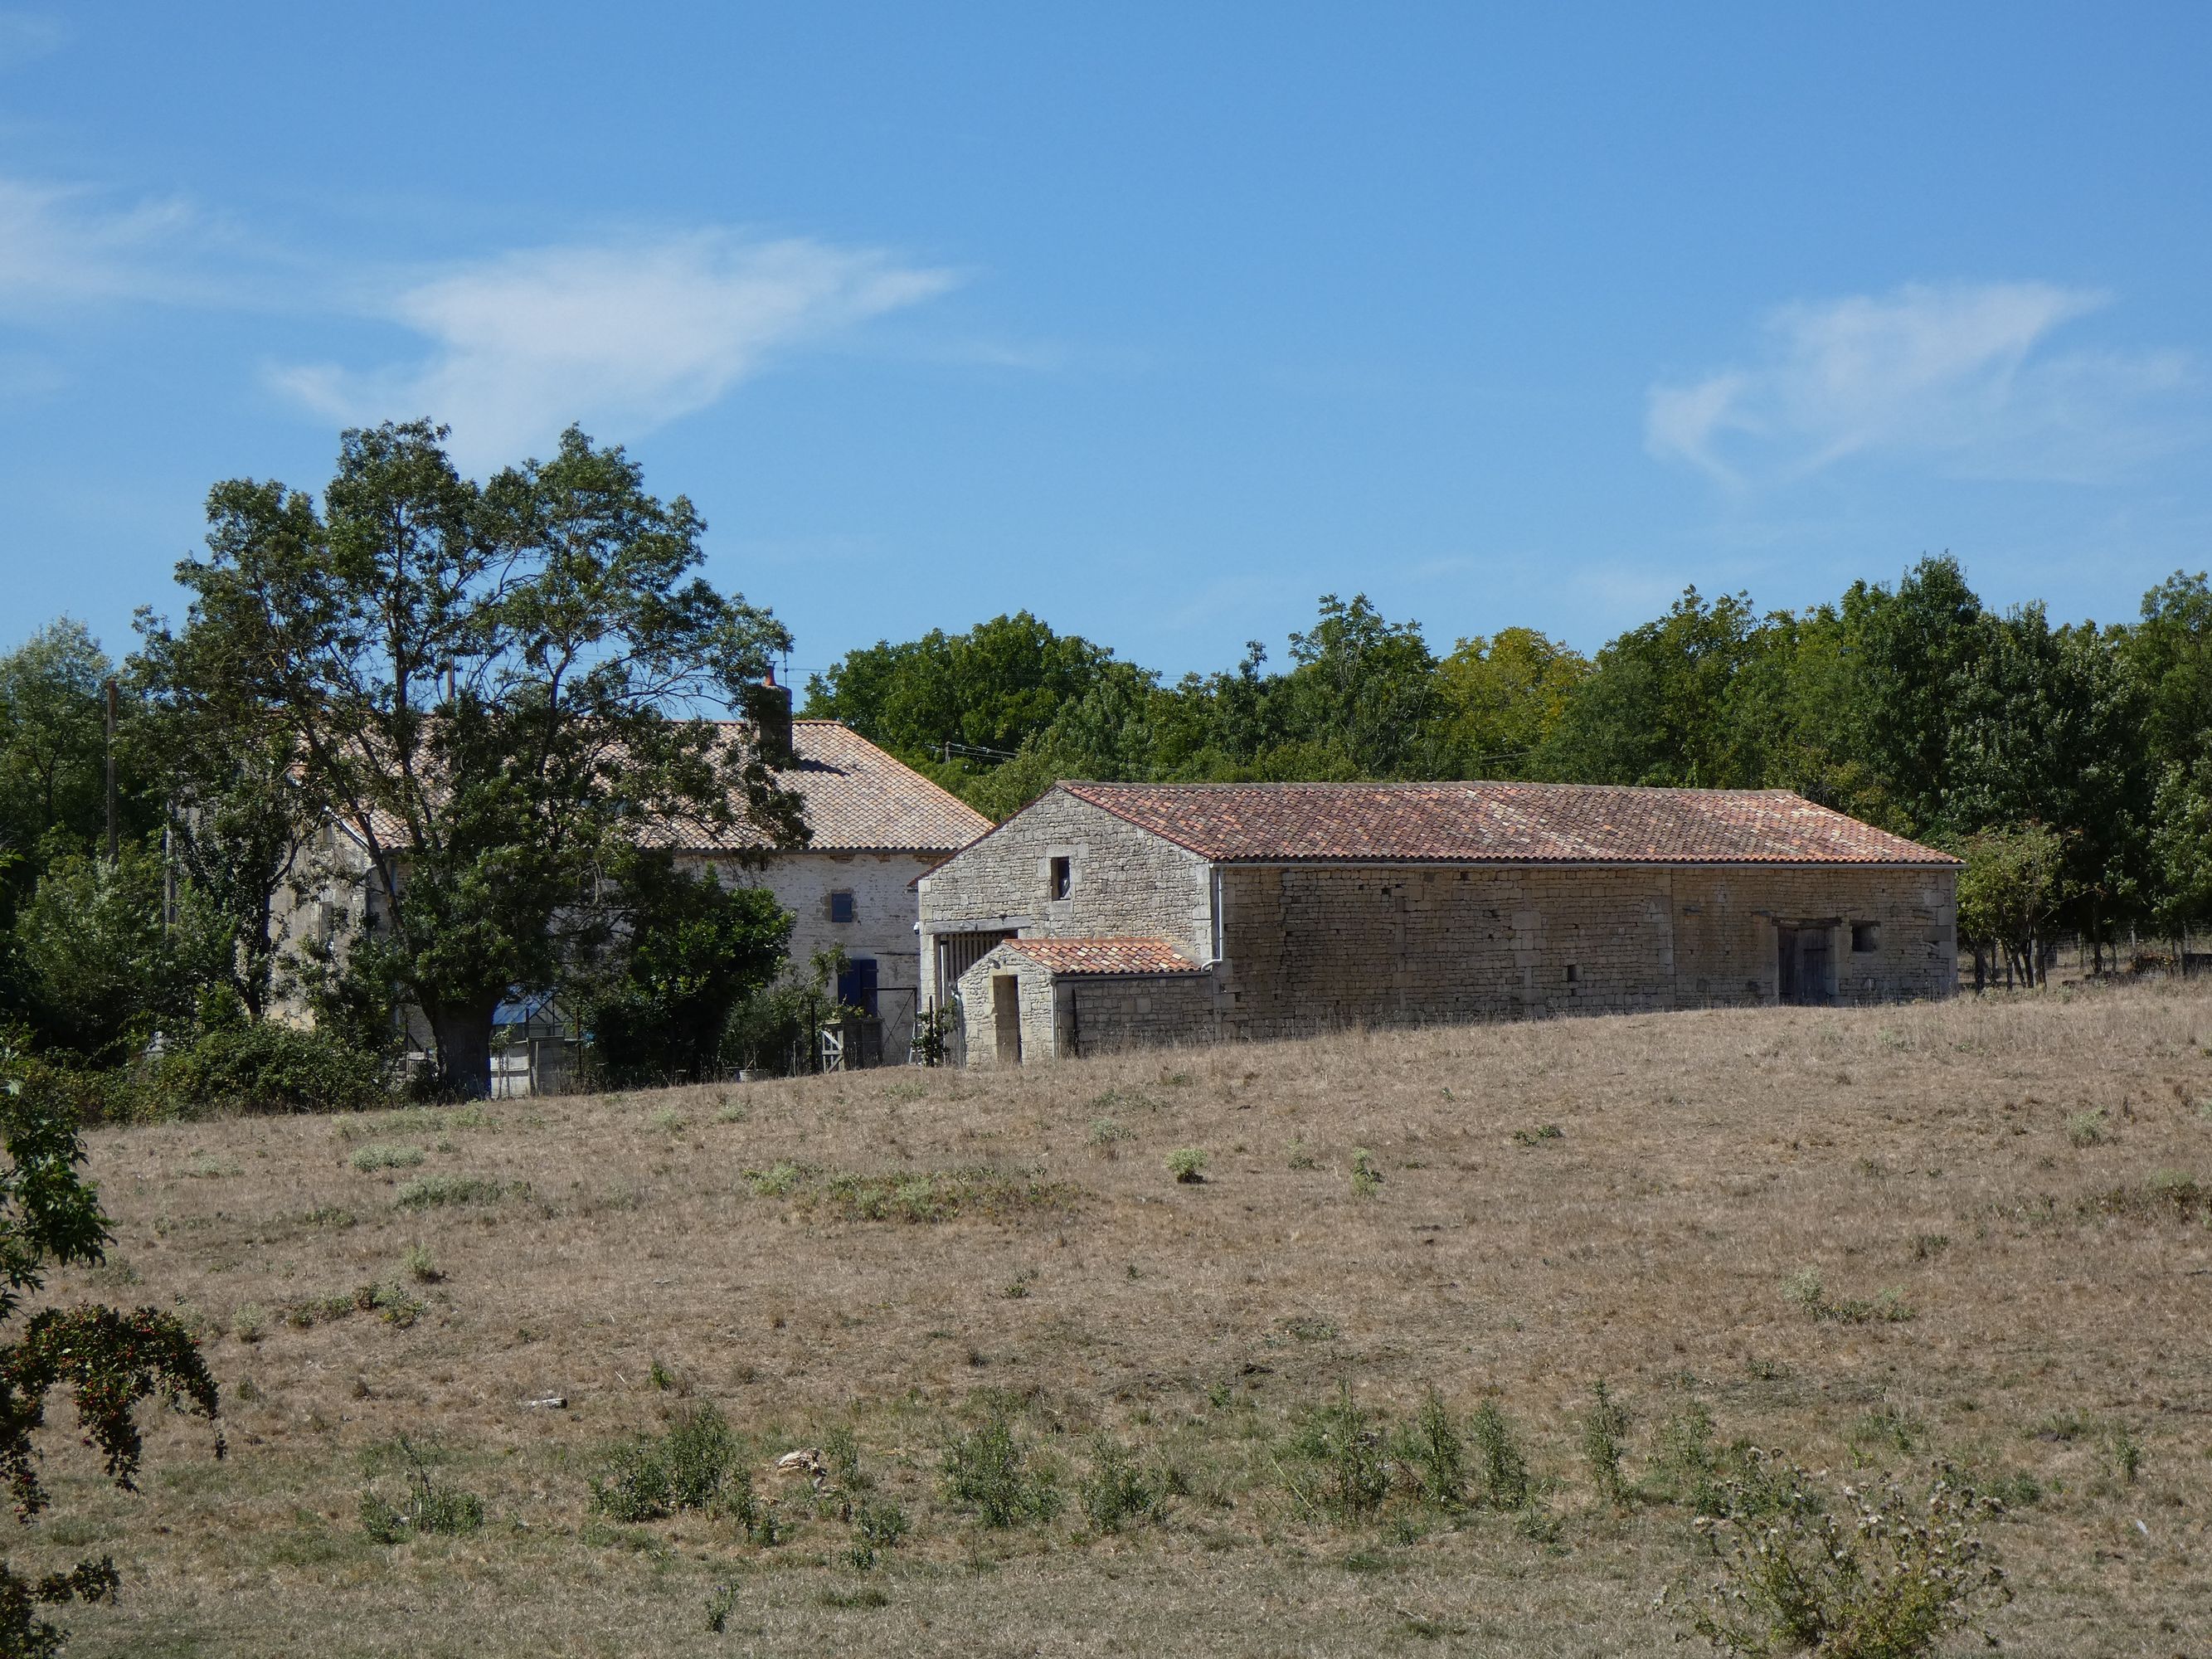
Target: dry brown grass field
(2012, 1170)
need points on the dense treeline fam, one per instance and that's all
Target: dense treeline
(2071, 764)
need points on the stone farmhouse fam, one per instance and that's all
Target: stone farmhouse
(1109, 914)
(876, 826)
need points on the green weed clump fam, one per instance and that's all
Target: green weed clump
(1116, 1492)
(1367, 1178)
(1107, 1135)
(922, 1196)
(433, 1192)
(1188, 1165)
(1890, 1577)
(1337, 1464)
(1434, 1454)
(386, 1156)
(1506, 1483)
(1605, 1425)
(1807, 1290)
(696, 1464)
(430, 1506)
(991, 1474)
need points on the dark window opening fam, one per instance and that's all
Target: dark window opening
(1866, 936)
(840, 907)
(1574, 974)
(856, 984)
(1063, 877)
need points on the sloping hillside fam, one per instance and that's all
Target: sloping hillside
(2008, 1265)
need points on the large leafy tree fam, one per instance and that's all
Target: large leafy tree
(691, 948)
(1653, 709)
(989, 688)
(1502, 695)
(53, 726)
(237, 816)
(105, 1360)
(488, 691)
(1914, 644)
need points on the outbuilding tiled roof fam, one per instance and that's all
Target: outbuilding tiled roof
(1104, 955)
(859, 800)
(1499, 823)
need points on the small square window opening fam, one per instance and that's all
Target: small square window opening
(1574, 974)
(1866, 936)
(840, 907)
(1063, 877)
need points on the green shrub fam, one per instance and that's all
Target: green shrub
(1505, 1481)
(1890, 1578)
(719, 1606)
(1432, 1451)
(422, 1266)
(430, 1506)
(433, 1191)
(1806, 1290)
(1605, 1425)
(988, 1472)
(386, 1156)
(1366, 1179)
(2087, 1128)
(1116, 1492)
(695, 1464)
(1187, 1164)
(263, 1068)
(1539, 1135)
(1339, 1467)
(1106, 1136)
(2127, 1453)
(878, 1526)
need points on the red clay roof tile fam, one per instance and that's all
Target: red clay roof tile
(1104, 956)
(1499, 823)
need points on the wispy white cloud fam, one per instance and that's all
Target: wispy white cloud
(63, 246)
(628, 334)
(1959, 374)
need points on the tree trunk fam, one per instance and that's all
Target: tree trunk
(1981, 970)
(463, 1038)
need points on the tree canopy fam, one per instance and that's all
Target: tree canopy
(485, 688)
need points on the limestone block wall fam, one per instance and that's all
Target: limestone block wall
(979, 1009)
(1096, 1013)
(1123, 882)
(882, 925)
(1309, 945)
(1724, 921)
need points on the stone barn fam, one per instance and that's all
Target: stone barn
(1108, 914)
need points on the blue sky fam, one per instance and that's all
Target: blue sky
(1158, 320)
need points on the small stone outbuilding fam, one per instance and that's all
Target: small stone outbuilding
(1106, 915)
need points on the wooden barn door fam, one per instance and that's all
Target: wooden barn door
(1806, 965)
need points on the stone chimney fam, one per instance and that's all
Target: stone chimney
(769, 707)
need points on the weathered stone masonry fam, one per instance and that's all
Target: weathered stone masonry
(1289, 946)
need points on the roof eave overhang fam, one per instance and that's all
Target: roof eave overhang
(1365, 863)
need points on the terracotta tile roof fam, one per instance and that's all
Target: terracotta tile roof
(1104, 955)
(859, 800)
(1499, 823)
